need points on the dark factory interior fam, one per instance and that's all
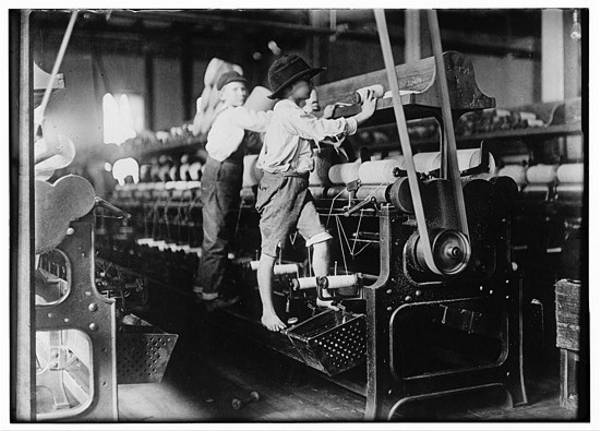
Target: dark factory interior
(170, 262)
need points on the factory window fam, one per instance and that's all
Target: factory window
(64, 377)
(123, 116)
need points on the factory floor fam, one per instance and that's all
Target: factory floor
(204, 376)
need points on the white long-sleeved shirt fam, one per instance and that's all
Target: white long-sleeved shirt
(227, 131)
(290, 131)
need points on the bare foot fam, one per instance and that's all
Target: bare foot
(272, 322)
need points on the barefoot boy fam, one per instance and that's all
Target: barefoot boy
(283, 200)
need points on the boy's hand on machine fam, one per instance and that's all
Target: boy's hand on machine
(272, 322)
(367, 109)
(369, 104)
(311, 106)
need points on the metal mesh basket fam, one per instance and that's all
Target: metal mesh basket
(143, 351)
(331, 342)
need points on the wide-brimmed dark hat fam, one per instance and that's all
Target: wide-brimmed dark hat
(227, 77)
(286, 70)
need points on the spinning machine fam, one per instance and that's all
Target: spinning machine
(424, 298)
(424, 295)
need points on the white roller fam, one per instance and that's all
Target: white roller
(427, 162)
(381, 171)
(341, 281)
(279, 269)
(252, 174)
(344, 173)
(570, 173)
(540, 174)
(307, 282)
(516, 172)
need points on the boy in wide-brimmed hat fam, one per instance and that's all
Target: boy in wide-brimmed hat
(283, 200)
(222, 182)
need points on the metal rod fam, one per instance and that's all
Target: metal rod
(23, 358)
(411, 171)
(451, 169)
(58, 62)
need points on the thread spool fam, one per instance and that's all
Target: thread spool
(361, 93)
(570, 173)
(516, 172)
(250, 177)
(258, 100)
(183, 172)
(174, 173)
(195, 171)
(154, 170)
(540, 174)
(344, 173)
(163, 173)
(145, 175)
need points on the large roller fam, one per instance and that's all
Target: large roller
(344, 173)
(516, 172)
(388, 170)
(542, 174)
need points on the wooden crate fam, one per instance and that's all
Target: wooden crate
(569, 370)
(568, 311)
(568, 330)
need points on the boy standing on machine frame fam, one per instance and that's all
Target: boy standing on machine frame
(283, 199)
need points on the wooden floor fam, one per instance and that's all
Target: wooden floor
(208, 370)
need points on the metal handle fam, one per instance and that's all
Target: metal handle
(113, 209)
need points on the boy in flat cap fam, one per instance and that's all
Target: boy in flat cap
(222, 182)
(283, 199)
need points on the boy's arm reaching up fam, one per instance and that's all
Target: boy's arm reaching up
(332, 131)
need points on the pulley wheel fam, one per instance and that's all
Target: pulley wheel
(451, 251)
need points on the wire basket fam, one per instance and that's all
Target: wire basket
(143, 351)
(331, 341)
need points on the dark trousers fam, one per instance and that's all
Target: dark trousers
(220, 196)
